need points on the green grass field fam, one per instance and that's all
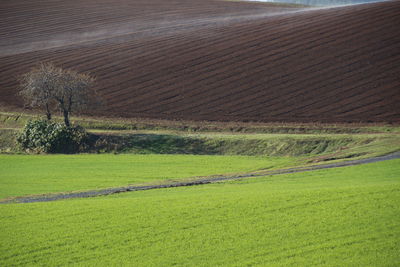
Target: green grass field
(39, 174)
(335, 217)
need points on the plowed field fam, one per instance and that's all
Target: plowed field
(214, 60)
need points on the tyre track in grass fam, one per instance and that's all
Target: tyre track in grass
(200, 181)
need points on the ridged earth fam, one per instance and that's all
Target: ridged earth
(214, 60)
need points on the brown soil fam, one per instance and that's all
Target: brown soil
(214, 60)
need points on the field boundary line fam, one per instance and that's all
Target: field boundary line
(201, 181)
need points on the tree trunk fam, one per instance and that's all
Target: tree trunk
(48, 113)
(66, 117)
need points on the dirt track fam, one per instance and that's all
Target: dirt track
(205, 180)
(214, 60)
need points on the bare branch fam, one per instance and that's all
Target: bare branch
(48, 86)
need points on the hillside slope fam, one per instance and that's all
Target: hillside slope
(214, 60)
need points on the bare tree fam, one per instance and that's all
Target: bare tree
(38, 86)
(50, 86)
(72, 92)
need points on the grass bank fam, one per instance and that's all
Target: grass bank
(337, 217)
(18, 120)
(324, 146)
(322, 142)
(319, 147)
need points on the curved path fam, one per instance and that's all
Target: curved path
(207, 180)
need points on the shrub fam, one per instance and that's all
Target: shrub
(42, 136)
